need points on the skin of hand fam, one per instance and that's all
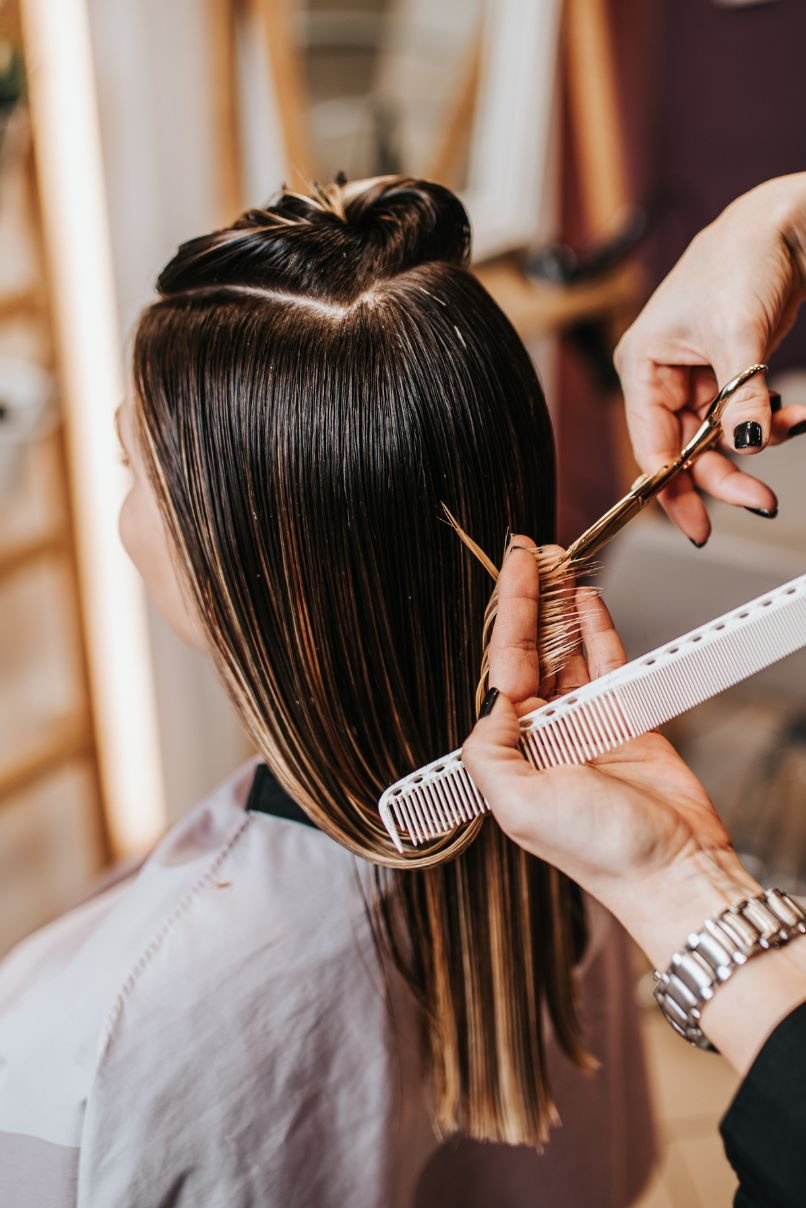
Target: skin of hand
(635, 828)
(727, 304)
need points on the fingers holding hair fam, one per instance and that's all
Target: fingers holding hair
(604, 650)
(513, 653)
(491, 754)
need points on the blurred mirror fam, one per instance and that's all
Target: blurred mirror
(386, 81)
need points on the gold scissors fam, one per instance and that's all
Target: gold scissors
(648, 486)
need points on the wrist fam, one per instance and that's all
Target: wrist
(785, 202)
(775, 209)
(662, 908)
(746, 1008)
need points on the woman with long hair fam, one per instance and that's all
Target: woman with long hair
(260, 1017)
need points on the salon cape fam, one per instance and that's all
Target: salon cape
(216, 1031)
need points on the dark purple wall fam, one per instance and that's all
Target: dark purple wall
(713, 102)
(728, 107)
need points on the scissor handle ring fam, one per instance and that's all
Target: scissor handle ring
(717, 407)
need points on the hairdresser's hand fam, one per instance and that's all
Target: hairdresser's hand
(636, 828)
(726, 305)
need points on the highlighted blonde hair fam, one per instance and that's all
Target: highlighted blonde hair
(313, 383)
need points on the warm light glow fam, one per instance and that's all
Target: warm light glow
(70, 170)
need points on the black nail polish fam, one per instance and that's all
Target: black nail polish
(488, 702)
(776, 402)
(698, 544)
(748, 436)
(765, 512)
(798, 429)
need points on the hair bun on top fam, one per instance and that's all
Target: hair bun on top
(332, 243)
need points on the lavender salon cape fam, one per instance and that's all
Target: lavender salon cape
(216, 1032)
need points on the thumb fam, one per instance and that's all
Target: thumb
(747, 419)
(522, 800)
(493, 757)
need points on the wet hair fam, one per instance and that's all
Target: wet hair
(312, 385)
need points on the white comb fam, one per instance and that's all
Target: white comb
(630, 701)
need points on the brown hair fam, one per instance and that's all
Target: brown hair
(314, 382)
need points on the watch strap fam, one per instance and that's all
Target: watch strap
(714, 953)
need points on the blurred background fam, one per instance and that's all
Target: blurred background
(590, 139)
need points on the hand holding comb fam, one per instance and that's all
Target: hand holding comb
(632, 700)
(440, 798)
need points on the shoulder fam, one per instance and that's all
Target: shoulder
(261, 909)
(253, 1026)
(254, 896)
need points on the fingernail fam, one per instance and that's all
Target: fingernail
(748, 436)
(488, 703)
(798, 429)
(698, 544)
(776, 402)
(765, 512)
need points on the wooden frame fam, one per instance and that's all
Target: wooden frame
(120, 719)
(509, 171)
(251, 43)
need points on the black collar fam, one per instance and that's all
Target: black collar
(266, 797)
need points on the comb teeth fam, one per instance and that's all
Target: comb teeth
(630, 701)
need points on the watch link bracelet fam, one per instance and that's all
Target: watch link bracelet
(714, 953)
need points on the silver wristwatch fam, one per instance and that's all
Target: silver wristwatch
(713, 954)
